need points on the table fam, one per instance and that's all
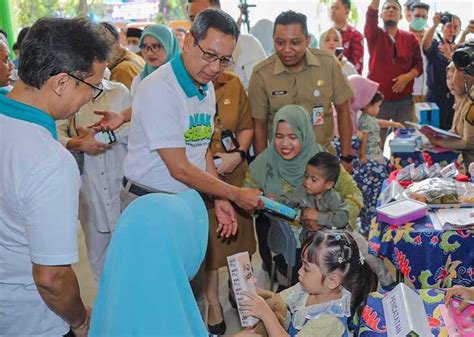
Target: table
(372, 322)
(428, 258)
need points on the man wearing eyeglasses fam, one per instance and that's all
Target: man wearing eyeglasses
(395, 61)
(59, 72)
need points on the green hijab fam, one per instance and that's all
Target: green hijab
(269, 169)
(167, 39)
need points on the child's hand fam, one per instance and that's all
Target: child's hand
(310, 214)
(255, 306)
(398, 125)
(363, 159)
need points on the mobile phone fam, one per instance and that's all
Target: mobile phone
(107, 137)
(339, 51)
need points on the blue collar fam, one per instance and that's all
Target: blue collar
(184, 79)
(27, 113)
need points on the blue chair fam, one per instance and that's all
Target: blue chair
(281, 240)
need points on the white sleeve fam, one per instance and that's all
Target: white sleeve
(50, 199)
(157, 109)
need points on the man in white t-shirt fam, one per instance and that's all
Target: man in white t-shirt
(62, 65)
(172, 124)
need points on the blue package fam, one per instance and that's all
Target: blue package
(279, 208)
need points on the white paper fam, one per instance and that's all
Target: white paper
(456, 216)
(435, 221)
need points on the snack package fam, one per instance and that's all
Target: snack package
(433, 191)
(405, 173)
(449, 171)
(419, 173)
(240, 271)
(465, 191)
(434, 171)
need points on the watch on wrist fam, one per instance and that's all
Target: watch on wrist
(349, 158)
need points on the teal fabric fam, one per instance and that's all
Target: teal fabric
(158, 245)
(167, 39)
(185, 80)
(3, 91)
(27, 113)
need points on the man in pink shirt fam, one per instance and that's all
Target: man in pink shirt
(352, 39)
(395, 60)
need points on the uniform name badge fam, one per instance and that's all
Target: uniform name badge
(318, 115)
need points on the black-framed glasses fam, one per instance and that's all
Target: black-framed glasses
(97, 89)
(154, 48)
(211, 58)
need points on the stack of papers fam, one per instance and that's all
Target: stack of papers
(452, 218)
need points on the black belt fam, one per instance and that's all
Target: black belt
(137, 190)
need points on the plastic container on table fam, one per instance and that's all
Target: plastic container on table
(401, 211)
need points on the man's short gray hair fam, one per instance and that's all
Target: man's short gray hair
(217, 19)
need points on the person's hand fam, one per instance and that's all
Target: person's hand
(436, 19)
(466, 294)
(82, 329)
(248, 198)
(363, 159)
(226, 218)
(310, 214)
(433, 140)
(359, 134)
(397, 125)
(447, 50)
(400, 82)
(229, 162)
(255, 306)
(247, 332)
(110, 121)
(347, 166)
(88, 144)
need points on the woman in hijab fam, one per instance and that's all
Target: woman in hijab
(280, 170)
(330, 40)
(159, 243)
(158, 45)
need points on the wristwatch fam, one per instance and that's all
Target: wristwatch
(349, 158)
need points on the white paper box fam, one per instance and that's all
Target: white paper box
(241, 275)
(405, 313)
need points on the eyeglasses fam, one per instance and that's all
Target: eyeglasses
(97, 90)
(211, 58)
(154, 48)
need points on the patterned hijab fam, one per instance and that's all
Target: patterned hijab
(269, 169)
(167, 39)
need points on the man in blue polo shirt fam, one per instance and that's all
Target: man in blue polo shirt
(61, 68)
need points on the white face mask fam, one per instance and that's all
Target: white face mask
(133, 48)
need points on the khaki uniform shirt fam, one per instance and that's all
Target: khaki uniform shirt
(320, 83)
(126, 68)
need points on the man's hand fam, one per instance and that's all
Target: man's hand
(110, 121)
(87, 143)
(82, 329)
(226, 218)
(310, 214)
(401, 82)
(248, 198)
(229, 162)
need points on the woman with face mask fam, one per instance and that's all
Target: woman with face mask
(438, 54)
